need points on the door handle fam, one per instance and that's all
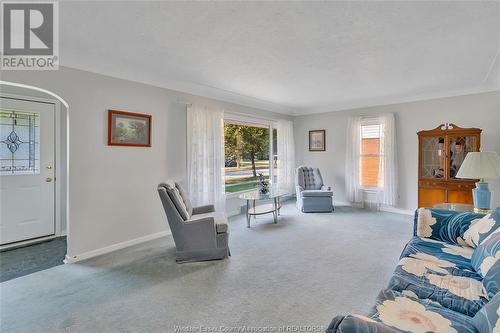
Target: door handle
(48, 179)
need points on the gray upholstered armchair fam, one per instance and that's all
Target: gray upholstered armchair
(199, 233)
(312, 194)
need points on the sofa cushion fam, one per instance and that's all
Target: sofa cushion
(185, 199)
(480, 229)
(487, 320)
(175, 196)
(316, 193)
(410, 314)
(460, 256)
(444, 225)
(441, 282)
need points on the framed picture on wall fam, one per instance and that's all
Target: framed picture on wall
(129, 129)
(317, 140)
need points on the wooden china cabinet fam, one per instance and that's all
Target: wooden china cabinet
(441, 152)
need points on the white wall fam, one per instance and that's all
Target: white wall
(478, 110)
(112, 190)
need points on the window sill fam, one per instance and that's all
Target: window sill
(371, 189)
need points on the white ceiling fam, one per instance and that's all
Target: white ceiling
(290, 57)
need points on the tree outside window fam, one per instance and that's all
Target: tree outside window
(246, 148)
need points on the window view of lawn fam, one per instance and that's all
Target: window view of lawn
(246, 149)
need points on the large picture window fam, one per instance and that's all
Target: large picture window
(249, 151)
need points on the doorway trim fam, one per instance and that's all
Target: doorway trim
(59, 175)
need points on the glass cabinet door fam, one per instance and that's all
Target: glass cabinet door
(459, 146)
(433, 157)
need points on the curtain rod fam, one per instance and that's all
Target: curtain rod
(250, 115)
(236, 113)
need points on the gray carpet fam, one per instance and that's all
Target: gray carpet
(302, 271)
(29, 259)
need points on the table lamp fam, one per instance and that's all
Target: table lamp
(485, 164)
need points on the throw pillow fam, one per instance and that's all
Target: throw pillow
(487, 253)
(487, 320)
(482, 228)
(444, 225)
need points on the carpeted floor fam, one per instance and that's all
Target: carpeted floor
(29, 259)
(302, 271)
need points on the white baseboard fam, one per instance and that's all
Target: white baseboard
(114, 247)
(234, 212)
(397, 210)
(388, 209)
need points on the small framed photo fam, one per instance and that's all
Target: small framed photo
(317, 140)
(129, 129)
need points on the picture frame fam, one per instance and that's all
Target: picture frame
(129, 129)
(317, 140)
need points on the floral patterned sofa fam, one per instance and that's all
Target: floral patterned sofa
(447, 279)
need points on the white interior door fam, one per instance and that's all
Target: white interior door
(27, 150)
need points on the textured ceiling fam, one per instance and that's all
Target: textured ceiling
(290, 57)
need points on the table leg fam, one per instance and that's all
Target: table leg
(279, 204)
(248, 213)
(275, 212)
(254, 217)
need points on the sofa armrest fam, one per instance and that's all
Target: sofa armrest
(203, 209)
(358, 324)
(326, 188)
(442, 224)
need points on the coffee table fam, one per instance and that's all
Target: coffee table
(273, 194)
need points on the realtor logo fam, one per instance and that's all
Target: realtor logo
(30, 35)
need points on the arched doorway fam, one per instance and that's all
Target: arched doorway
(34, 171)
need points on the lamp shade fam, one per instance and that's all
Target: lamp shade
(485, 164)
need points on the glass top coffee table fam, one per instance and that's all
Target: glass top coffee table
(273, 194)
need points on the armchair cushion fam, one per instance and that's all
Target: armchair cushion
(175, 196)
(220, 220)
(316, 193)
(185, 199)
(221, 228)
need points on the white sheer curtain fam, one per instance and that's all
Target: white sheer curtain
(387, 162)
(205, 156)
(385, 193)
(286, 156)
(352, 166)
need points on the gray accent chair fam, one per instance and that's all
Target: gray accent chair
(199, 233)
(313, 196)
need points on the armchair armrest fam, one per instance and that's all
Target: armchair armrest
(358, 324)
(326, 188)
(298, 189)
(203, 209)
(442, 224)
(200, 232)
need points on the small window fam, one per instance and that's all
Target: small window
(19, 143)
(370, 156)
